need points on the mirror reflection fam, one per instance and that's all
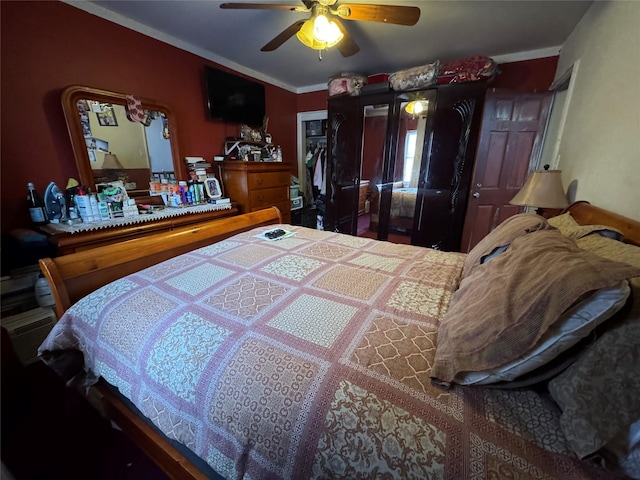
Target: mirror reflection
(373, 140)
(117, 136)
(404, 190)
(395, 200)
(121, 149)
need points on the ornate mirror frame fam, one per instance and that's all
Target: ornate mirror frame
(70, 97)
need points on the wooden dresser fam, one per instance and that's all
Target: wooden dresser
(257, 185)
(65, 242)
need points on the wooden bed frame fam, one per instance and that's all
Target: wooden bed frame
(586, 214)
(73, 276)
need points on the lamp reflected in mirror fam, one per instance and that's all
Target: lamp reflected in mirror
(112, 170)
(111, 162)
(542, 190)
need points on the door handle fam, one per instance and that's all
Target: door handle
(476, 195)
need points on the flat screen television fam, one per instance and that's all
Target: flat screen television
(232, 98)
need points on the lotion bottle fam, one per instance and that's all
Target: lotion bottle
(95, 212)
(84, 207)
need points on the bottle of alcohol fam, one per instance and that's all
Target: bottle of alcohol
(36, 206)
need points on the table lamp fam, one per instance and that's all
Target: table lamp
(543, 189)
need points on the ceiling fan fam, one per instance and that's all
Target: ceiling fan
(323, 29)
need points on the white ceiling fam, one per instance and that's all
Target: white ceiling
(447, 29)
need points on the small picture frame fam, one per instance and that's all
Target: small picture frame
(107, 118)
(212, 186)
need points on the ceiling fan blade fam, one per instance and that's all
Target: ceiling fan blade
(283, 36)
(263, 6)
(396, 14)
(347, 45)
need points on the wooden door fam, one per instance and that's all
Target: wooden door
(511, 137)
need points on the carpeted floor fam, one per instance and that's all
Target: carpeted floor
(49, 432)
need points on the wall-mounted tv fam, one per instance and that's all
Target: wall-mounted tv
(232, 98)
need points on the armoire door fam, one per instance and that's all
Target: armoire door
(412, 124)
(446, 167)
(348, 144)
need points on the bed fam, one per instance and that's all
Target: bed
(402, 211)
(324, 355)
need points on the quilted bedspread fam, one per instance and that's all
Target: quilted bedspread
(403, 202)
(309, 357)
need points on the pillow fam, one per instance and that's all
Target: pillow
(611, 249)
(599, 394)
(498, 240)
(505, 306)
(572, 229)
(624, 451)
(572, 326)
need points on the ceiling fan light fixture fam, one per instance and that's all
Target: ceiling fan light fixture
(306, 36)
(326, 31)
(319, 34)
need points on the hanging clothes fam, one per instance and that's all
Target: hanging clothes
(318, 173)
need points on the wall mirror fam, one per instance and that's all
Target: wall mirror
(108, 146)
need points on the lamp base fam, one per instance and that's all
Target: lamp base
(548, 212)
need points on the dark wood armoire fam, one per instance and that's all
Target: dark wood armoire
(422, 142)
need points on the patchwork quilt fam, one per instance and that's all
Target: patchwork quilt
(309, 357)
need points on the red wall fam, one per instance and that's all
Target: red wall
(527, 76)
(312, 101)
(46, 46)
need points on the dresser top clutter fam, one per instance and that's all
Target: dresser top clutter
(133, 180)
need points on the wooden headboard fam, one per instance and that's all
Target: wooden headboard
(586, 214)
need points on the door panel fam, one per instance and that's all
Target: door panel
(511, 137)
(447, 165)
(374, 152)
(359, 139)
(343, 166)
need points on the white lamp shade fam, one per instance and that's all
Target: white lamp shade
(543, 189)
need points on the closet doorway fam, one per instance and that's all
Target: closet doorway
(312, 130)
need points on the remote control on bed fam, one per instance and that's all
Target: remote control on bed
(273, 234)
